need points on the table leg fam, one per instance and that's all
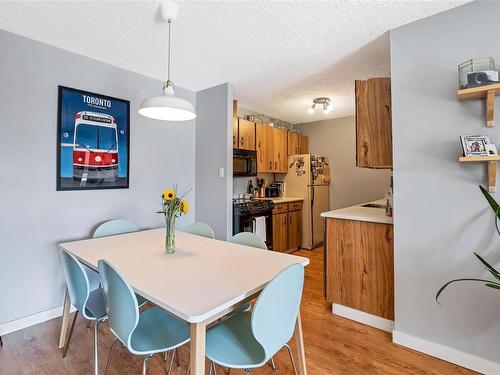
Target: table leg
(65, 319)
(299, 342)
(197, 358)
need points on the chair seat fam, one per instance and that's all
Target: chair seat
(96, 306)
(93, 276)
(232, 344)
(158, 332)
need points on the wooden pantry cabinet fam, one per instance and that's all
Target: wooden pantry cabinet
(297, 144)
(287, 226)
(373, 123)
(243, 134)
(271, 145)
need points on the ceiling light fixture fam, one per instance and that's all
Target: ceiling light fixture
(323, 102)
(168, 107)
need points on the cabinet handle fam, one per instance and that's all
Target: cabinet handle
(284, 220)
(270, 165)
(275, 165)
(234, 140)
(242, 140)
(290, 221)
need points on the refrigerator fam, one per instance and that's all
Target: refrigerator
(309, 177)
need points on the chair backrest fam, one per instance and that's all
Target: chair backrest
(112, 227)
(121, 303)
(77, 281)
(200, 229)
(275, 312)
(248, 239)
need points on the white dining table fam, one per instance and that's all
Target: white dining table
(202, 281)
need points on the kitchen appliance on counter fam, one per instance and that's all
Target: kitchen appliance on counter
(309, 177)
(254, 216)
(244, 162)
(273, 191)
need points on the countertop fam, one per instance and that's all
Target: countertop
(374, 215)
(279, 200)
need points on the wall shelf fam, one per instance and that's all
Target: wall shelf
(483, 92)
(492, 167)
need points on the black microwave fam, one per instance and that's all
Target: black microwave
(244, 162)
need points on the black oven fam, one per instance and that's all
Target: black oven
(244, 163)
(247, 213)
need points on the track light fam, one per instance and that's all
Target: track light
(324, 102)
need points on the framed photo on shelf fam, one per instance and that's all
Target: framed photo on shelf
(476, 145)
(93, 141)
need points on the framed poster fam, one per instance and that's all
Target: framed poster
(93, 141)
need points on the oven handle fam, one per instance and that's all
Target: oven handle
(254, 225)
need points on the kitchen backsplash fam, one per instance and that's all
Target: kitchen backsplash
(240, 184)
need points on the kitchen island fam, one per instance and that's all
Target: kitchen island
(359, 264)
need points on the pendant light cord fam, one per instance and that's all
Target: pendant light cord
(168, 53)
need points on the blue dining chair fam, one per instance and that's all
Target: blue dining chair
(143, 333)
(249, 239)
(111, 228)
(249, 339)
(200, 229)
(89, 303)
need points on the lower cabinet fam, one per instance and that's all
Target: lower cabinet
(287, 227)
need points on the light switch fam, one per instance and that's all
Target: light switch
(221, 172)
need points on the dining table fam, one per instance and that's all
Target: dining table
(204, 280)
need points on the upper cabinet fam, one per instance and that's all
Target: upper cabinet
(297, 144)
(373, 123)
(243, 134)
(271, 145)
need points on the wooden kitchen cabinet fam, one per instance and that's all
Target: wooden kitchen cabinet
(297, 144)
(287, 226)
(373, 123)
(280, 233)
(279, 154)
(294, 229)
(303, 144)
(246, 131)
(271, 149)
(235, 132)
(359, 268)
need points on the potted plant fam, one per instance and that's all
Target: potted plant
(173, 206)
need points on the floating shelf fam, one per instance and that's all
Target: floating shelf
(483, 92)
(492, 167)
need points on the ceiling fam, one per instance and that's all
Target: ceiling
(278, 55)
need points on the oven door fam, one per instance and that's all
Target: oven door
(248, 223)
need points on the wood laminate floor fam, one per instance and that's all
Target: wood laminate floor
(333, 345)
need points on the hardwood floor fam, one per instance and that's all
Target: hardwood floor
(333, 345)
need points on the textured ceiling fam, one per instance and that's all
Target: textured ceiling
(278, 55)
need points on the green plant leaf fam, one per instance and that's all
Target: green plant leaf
(459, 280)
(493, 203)
(489, 267)
(494, 286)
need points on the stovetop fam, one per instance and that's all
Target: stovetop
(247, 205)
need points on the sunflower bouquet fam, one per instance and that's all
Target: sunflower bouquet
(172, 207)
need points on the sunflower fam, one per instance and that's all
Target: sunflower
(169, 194)
(185, 206)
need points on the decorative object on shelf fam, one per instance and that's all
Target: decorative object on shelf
(173, 206)
(495, 284)
(475, 145)
(93, 141)
(168, 107)
(477, 72)
(324, 102)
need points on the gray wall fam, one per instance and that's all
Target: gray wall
(336, 138)
(214, 150)
(440, 215)
(34, 217)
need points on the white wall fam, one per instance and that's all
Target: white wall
(336, 138)
(34, 216)
(214, 150)
(441, 217)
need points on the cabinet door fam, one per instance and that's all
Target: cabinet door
(294, 229)
(303, 144)
(279, 157)
(373, 123)
(235, 132)
(293, 143)
(263, 143)
(280, 225)
(246, 135)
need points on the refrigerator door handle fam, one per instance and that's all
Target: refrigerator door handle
(312, 193)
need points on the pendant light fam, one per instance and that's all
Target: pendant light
(168, 107)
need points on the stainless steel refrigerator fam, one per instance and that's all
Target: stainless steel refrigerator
(309, 177)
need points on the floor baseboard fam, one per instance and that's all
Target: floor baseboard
(446, 353)
(362, 317)
(31, 320)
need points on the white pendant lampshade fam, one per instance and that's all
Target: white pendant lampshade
(168, 107)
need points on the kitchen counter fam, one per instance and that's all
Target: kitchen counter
(279, 200)
(358, 213)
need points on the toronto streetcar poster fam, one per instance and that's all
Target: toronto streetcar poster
(93, 141)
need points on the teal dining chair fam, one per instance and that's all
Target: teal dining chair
(249, 239)
(142, 333)
(89, 303)
(200, 229)
(249, 339)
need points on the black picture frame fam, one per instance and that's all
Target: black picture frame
(101, 176)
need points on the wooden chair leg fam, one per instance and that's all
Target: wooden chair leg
(66, 346)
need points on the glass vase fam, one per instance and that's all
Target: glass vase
(170, 234)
